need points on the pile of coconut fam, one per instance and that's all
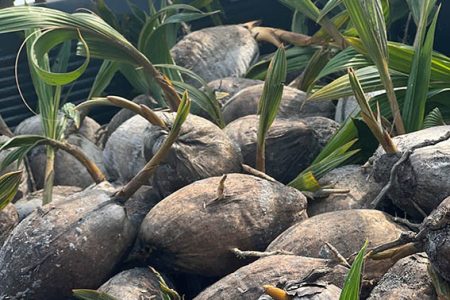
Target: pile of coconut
(206, 224)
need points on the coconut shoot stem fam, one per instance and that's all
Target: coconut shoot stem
(93, 170)
(142, 177)
(139, 109)
(49, 175)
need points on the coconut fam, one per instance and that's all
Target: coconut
(88, 129)
(125, 114)
(230, 86)
(361, 186)
(216, 52)
(422, 180)
(346, 231)
(293, 104)
(317, 290)
(248, 281)
(407, 279)
(323, 127)
(437, 242)
(134, 284)
(72, 244)
(202, 150)
(8, 220)
(291, 145)
(32, 201)
(68, 170)
(250, 213)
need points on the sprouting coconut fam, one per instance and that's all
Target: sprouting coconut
(248, 281)
(420, 180)
(76, 243)
(68, 170)
(9, 218)
(194, 229)
(362, 190)
(230, 86)
(216, 52)
(293, 104)
(291, 145)
(125, 114)
(345, 231)
(134, 284)
(407, 279)
(201, 151)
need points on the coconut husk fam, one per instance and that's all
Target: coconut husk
(317, 290)
(30, 202)
(293, 104)
(124, 114)
(8, 220)
(247, 282)
(230, 86)
(216, 52)
(362, 190)
(249, 214)
(291, 145)
(421, 181)
(323, 127)
(437, 241)
(346, 231)
(88, 129)
(134, 284)
(202, 150)
(73, 244)
(68, 170)
(407, 279)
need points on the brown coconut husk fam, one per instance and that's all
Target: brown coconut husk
(9, 218)
(201, 151)
(407, 279)
(436, 229)
(248, 281)
(125, 114)
(134, 284)
(68, 170)
(216, 52)
(293, 104)
(421, 180)
(362, 190)
(248, 214)
(346, 231)
(291, 145)
(230, 86)
(77, 243)
(30, 202)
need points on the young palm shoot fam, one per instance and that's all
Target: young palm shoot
(352, 285)
(270, 102)
(372, 120)
(368, 19)
(9, 185)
